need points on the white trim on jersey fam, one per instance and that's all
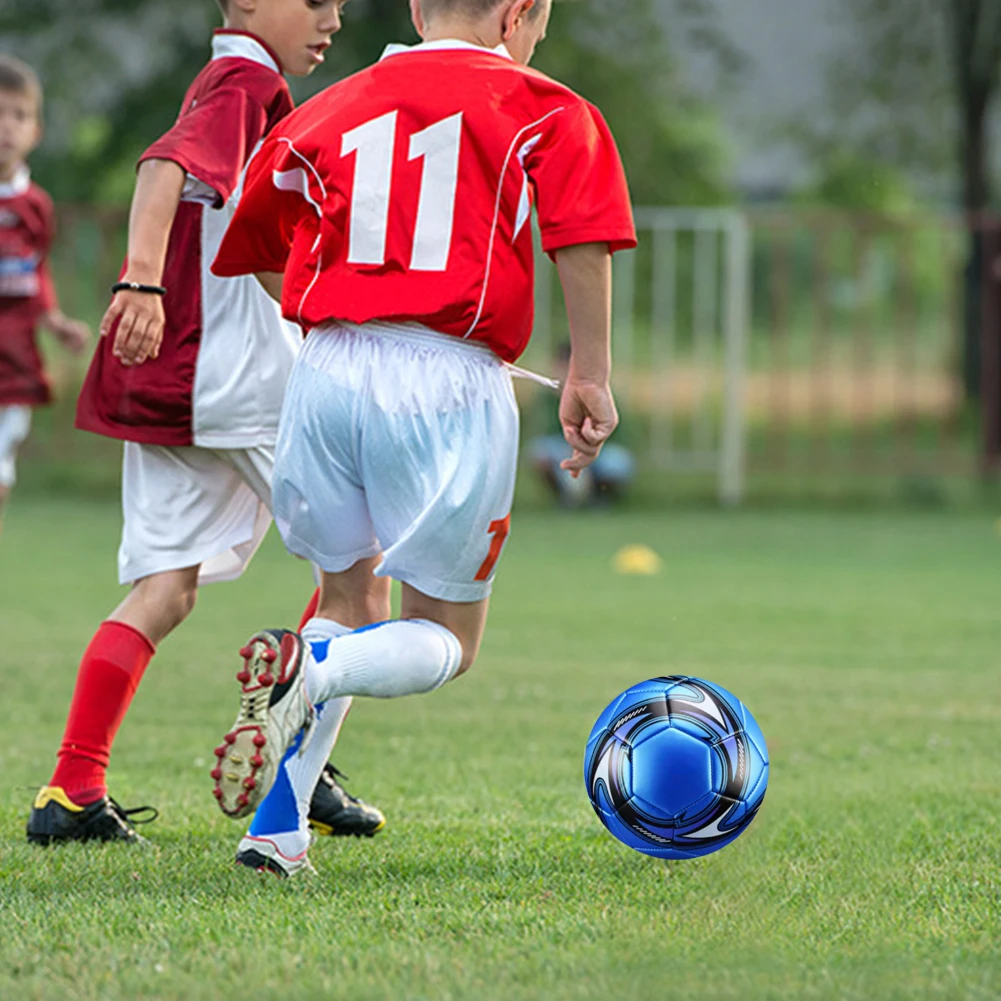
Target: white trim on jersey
(246, 350)
(232, 46)
(18, 185)
(497, 208)
(442, 45)
(280, 181)
(196, 190)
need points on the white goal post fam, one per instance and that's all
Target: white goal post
(680, 319)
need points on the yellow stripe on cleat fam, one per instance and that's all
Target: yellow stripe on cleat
(55, 794)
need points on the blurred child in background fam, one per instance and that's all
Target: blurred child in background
(605, 481)
(27, 296)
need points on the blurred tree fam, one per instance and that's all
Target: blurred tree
(115, 72)
(914, 91)
(614, 53)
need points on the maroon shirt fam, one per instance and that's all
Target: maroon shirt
(27, 226)
(229, 108)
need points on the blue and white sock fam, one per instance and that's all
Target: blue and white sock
(283, 817)
(385, 661)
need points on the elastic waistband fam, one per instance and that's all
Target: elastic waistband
(409, 333)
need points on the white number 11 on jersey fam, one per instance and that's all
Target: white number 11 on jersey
(375, 144)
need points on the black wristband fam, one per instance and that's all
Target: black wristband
(137, 287)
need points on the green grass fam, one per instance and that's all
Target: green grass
(865, 644)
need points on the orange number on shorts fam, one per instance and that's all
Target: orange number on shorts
(499, 530)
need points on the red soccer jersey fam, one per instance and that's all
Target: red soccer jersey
(219, 379)
(27, 225)
(404, 192)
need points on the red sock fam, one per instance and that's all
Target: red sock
(314, 604)
(109, 675)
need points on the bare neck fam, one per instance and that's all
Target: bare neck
(482, 33)
(235, 21)
(9, 171)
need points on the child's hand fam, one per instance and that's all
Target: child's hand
(74, 335)
(141, 320)
(588, 417)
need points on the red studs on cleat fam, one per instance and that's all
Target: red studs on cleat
(267, 679)
(269, 656)
(249, 784)
(220, 752)
(217, 792)
(257, 761)
(229, 738)
(246, 652)
(260, 740)
(216, 773)
(243, 677)
(242, 800)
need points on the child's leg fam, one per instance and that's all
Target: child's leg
(15, 423)
(109, 675)
(360, 600)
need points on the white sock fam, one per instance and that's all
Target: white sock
(402, 657)
(275, 819)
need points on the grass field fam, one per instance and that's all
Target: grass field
(867, 645)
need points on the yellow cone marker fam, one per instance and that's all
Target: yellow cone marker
(637, 560)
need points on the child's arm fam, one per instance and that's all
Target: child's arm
(72, 334)
(587, 410)
(272, 283)
(140, 316)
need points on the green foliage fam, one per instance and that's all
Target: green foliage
(866, 647)
(115, 73)
(849, 181)
(615, 54)
(890, 92)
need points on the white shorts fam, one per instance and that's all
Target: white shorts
(193, 506)
(398, 440)
(15, 423)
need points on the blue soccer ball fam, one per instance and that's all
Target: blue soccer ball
(676, 767)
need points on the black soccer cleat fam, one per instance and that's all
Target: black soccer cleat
(251, 859)
(263, 855)
(56, 819)
(336, 813)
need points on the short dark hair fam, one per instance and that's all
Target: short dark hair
(471, 8)
(17, 77)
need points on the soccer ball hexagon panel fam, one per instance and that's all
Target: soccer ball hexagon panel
(676, 767)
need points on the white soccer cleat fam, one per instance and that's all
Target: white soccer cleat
(274, 710)
(265, 855)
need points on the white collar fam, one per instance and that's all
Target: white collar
(18, 186)
(227, 44)
(443, 44)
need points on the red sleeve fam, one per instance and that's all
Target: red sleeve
(580, 185)
(47, 298)
(280, 207)
(213, 139)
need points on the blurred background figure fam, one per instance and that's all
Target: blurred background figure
(605, 481)
(27, 294)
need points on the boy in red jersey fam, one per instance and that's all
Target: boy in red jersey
(27, 296)
(190, 372)
(396, 205)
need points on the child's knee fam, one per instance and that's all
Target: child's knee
(171, 596)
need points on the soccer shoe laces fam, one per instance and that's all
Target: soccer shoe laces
(132, 816)
(332, 776)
